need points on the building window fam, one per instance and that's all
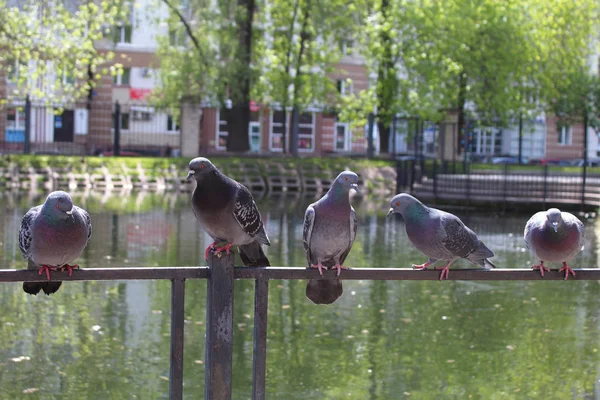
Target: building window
(222, 132)
(277, 132)
(13, 70)
(347, 47)
(122, 78)
(487, 141)
(124, 123)
(122, 34)
(177, 37)
(345, 87)
(172, 124)
(564, 135)
(306, 134)
(342, 137)
(15, 119)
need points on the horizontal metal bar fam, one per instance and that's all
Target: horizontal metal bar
(114, 274)
(106, 274)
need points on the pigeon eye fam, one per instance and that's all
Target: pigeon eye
(397, 203)
(346, 178)
(201, 166)
(58, 206)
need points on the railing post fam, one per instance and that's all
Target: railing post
(27, 133)
(219, 327)
(177, 322)
(545, 183)
(259, 369)
(435, 182)
(117, 129)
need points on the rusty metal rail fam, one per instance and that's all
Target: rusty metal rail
(219, 306)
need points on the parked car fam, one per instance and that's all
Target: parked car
(505, 160)
(551, 162)
(592, 162)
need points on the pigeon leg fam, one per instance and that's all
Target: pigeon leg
(69, 268)
(424, 266)
(445, 270)
(542, 268)
(46, 269)
(225, 248)
(568, 270)
(339, 268)
(320, 266)
(209, 248)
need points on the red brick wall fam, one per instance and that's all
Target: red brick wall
(555, 150)
(358, 74)
(325, 132)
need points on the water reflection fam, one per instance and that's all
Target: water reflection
(381, 340)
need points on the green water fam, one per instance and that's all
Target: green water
(380, 340)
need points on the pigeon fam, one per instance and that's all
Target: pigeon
(554, 236)
(226, 210)
(52, 236)
(439, 235)
(329, 231)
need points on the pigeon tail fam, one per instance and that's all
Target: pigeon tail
(322, 291)
(252, 255)
(488, 264)
(47, 287)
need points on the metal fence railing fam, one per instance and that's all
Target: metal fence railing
(220, 275)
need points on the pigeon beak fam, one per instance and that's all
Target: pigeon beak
(555, 226)
(190, 175)
(355, 187)
(390, 213)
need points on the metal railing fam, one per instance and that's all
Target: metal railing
(220, 275)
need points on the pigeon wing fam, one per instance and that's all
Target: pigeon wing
(247, 215)
(25, 233)
(86, 219)
(459, 240)
(353, 229)
(309, 221)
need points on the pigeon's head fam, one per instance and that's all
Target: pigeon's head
(401, 202)
(554, 218)
(347, 180)
(59, 203)
(199, 168)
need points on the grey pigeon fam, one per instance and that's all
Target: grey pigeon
(329, 232)
(439, 235)
(228, 213)
(52, 236)
(554, 236)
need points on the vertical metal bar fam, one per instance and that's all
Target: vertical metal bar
(117, 129)
(219, 328)
(177, 322)
(27, 133)
(259, 369)
(585, 159)
(370, 128)
(545, 183)
(434, 176)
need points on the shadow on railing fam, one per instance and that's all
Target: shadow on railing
(220, 275)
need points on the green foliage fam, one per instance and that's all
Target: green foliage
(50, 52)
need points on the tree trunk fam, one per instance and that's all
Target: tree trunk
(462, 89)
(238, 118)
(386, 84)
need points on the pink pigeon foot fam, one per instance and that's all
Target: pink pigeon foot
(541, 268)
(445, 271)
(46, 269)
(568, 270)
(209, 248)
(69, 268)
(339, 268)
(320, 267)
(226, 249)
(422, 267)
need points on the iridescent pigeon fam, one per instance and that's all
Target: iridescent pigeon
(439, 235)
(228, 213)
(329, 232)
(554, 236)
(52, 236)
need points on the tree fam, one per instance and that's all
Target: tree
(49, 52)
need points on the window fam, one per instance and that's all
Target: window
(306, 134)
(14, 68)
(564, 135)
(342, 137)
(277, 132)
(124, 123)
(222, 132)
(122, 78)
(347, 47)
(15, 119)
(122, 34)
(68, 78)
(177, 37)
(172, 124)
(487, 141)
(345, 87)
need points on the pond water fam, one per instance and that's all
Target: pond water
(380, 340)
